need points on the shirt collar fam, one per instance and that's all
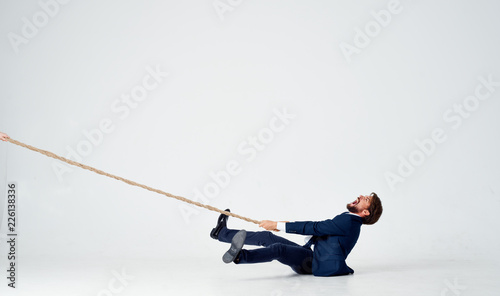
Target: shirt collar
(353, 214)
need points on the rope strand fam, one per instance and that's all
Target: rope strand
(133, 183)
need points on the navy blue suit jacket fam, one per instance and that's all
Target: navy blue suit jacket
(334, 240)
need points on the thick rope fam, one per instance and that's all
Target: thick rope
(86, 167)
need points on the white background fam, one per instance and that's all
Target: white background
(228, 74)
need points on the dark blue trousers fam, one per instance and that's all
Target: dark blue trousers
(299, 258)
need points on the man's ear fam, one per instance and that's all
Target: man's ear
(365, 213)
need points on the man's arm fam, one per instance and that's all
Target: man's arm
(336, 226)
(327, 227)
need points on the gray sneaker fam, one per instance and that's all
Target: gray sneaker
(236, 245)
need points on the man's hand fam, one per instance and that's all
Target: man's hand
(3, 137)
(269, 225)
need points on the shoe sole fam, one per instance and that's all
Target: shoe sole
(236, 245)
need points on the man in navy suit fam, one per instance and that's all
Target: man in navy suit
(332, 240)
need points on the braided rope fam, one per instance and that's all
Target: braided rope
(86, 167)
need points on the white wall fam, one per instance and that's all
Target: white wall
(227, 76)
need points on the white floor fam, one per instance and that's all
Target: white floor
(212, 277)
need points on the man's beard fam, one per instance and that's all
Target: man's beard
(352, 208)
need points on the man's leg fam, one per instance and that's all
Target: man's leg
(297, 257)
(259, 238)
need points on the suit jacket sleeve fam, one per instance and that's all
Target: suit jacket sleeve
(336, 226)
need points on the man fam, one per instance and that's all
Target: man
(332, 239)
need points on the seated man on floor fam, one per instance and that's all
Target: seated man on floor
(332, 240)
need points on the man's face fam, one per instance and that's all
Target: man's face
(361, 203)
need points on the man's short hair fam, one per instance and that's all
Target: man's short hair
(375, 210)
